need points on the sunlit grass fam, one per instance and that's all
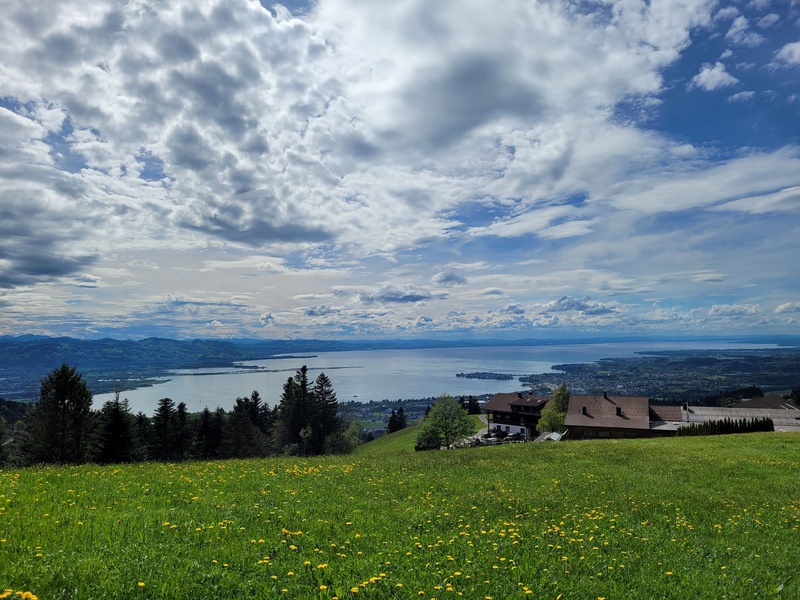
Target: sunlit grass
(678, 518)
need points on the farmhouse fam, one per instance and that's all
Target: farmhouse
(515, 413)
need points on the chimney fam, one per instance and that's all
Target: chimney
(619, 411)
(583, 410)
(519, 394)
(605, 395)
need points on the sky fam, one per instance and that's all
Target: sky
(399, 168)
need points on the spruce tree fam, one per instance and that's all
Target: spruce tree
(325, 413)
(162, 445)
(115, 436)
(58, 425)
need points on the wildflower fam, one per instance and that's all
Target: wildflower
(140, 584)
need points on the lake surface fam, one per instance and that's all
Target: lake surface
(385, 374)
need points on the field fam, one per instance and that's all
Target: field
(674, 518)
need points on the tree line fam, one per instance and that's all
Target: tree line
(727, 426)
(62, 428)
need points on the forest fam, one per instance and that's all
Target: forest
(61, 428)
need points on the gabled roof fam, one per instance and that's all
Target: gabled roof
(663, 412)
(773, 401)
(619, 412)
(514, 402)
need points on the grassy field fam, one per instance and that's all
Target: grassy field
(673, 518)
(401, 441)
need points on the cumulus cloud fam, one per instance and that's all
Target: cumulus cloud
(740, 33)
(789, 54)
(321, 310)
(734, 310)
(788, 307)
(513, 309)
(713, 77)
(569, 304)
(266, 319)
(395, 293)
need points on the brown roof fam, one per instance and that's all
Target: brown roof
(662, 412)
(514, 402)
(619, 412)
(774, 401)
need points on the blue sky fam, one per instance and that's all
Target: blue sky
(399, 168)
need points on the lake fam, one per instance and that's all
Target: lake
(385, 374)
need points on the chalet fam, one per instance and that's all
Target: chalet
(620, 417)
(515, 413)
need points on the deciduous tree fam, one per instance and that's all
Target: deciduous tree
(445, 424)
(555, 412)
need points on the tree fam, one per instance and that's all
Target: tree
(58, 424)
(555, 412)
(326, 412)
(144, 431)
(445, 424)
(306, 416)
(207, 443)
(4, 453)
(246, 429)
(393, 425)
(398, 420)
(163, 440)
(114, 440)
(473, 407)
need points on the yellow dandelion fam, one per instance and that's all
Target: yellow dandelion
(140, 584)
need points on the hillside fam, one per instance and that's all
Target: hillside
(671, 518)
(400, 441)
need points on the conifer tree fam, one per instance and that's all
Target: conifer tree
(115, 436)
(162, 445)
(58, 425)
(326, 412)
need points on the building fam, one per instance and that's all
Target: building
(619, 417)
(605, 416)
(633, 416)
(515, 413)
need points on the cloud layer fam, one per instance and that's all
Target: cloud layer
(397, 168)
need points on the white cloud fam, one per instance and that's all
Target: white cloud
(785, 200)
(745, 96)
(768, 21)
(740, 33)
(734, 310)
(789, 54)
(788, 307)
(395, 293)
(713, 77)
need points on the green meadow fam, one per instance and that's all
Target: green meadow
(711, 517)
